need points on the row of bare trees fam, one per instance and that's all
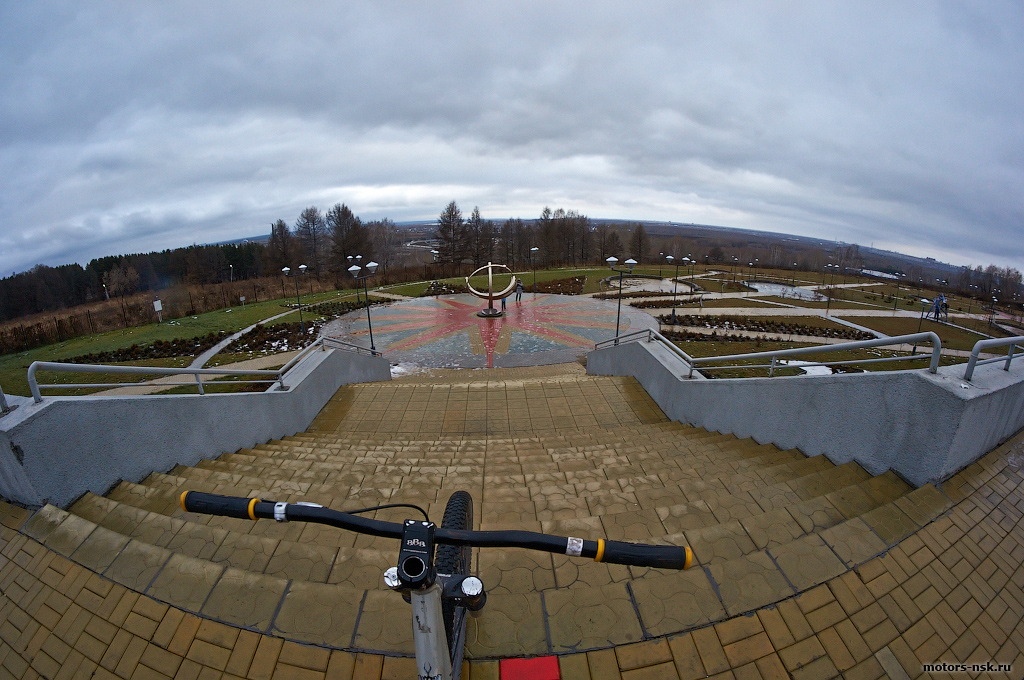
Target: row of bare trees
(561, 238)
(327, 242)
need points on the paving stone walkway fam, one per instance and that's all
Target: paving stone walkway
(806, 569)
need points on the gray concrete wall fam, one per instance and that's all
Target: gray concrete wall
(55, 451)
(925, 427)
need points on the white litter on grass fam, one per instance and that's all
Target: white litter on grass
(808, 367)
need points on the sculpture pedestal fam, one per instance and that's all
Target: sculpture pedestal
(490, 313)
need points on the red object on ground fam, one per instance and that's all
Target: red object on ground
(541, 668)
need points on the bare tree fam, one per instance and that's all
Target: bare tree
(348, 237)
(480, 234)
(384, 237)
(280, 247)
(310, 230)
(639, 243)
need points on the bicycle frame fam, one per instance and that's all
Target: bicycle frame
(416, 579)
(433, 659)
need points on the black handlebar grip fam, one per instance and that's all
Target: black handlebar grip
(215, 504)
(638, 555)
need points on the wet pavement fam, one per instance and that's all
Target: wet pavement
(445, 332)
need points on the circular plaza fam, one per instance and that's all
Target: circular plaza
(445, 331)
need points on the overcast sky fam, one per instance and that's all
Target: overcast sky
(129, 127)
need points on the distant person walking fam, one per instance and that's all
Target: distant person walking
(519, 291)
(503, 303)
(937, 307)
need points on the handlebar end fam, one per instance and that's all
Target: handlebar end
(639, 555)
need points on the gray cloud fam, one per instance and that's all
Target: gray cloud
(897, 125)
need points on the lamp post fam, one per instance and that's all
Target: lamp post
(828, 291)
(356, 261)
(533, 263)
(371, 269)
(298, 296)
(435, 254)
(920, 322)
(675, 282)
(794, 274)
(630, 263)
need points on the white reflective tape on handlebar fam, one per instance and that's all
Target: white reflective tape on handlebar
(279, 511)
(574, 546)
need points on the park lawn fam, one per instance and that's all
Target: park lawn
(13, 367)
(308, 316)
(952, 338)
(706, 349)
(809, 321)
(227, 384)
(727, 303)
(812, 304)
(593, 278)
(409, 289)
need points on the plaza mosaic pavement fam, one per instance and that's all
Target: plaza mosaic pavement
(445, 331)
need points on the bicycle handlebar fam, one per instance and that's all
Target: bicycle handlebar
(601, 550)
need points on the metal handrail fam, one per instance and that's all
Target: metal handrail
(650, 336)
(35, 387)
(341, 344)
(4, 408)
(993, 342)
(274, 375)
(775, 354)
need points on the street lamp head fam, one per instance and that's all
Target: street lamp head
(669, 258)
(354, 269)
(302, 269)
(630, 263)
(286, 270)
(372, 266)
(612, 261)
(534, 249)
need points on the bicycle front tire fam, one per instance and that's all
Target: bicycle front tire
(451, 559)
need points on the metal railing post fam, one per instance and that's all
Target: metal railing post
(199, 384)
(33, 386)
(771, 371)
(4, 408)
(985, 344)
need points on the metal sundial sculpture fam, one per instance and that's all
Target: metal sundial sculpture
(490, 295)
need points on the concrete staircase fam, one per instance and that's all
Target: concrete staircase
(543, 449)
